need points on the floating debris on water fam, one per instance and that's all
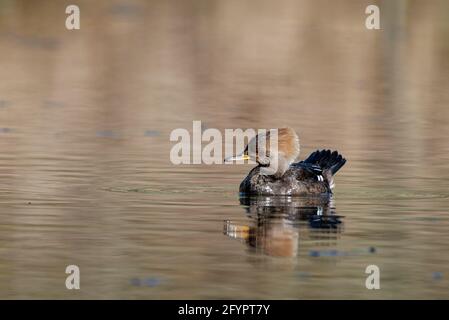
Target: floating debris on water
(146, 282)
(3, 104)
(53, 104)
(107, 134)
(125, 10)
(337, 253)
(152, 133)
(303, 274)
(437, 276)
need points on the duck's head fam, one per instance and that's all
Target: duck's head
(274, 151)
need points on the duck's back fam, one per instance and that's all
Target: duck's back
(311, 177)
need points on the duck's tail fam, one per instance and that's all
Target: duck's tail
(330, 162)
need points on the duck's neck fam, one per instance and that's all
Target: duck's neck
(276, 168)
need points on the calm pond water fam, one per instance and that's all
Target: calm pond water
(86, 178)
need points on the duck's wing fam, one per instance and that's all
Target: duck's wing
(309, 171)
(326, 160)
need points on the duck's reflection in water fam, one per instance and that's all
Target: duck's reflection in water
(277, 224)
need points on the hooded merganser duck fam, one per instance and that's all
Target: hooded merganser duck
(278, 174)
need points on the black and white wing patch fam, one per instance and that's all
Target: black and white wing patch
(311, 170)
